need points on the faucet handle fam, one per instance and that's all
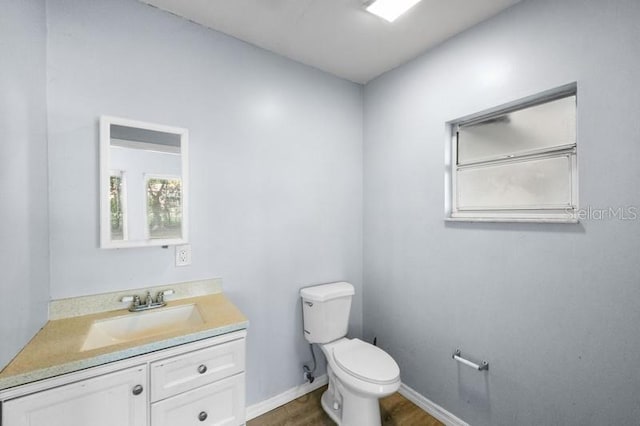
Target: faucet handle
(135, 300)
(162, 294)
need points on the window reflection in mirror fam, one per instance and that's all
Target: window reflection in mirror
(164, 208)
(116, 205)
(143, 183)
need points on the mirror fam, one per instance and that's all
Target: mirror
(143, 184)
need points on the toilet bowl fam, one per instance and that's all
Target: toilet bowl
(359, 373)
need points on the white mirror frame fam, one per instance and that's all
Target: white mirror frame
(105, 171)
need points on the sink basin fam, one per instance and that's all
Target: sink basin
(138, 325)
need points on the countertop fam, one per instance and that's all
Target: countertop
(56, 349)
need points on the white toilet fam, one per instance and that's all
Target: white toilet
(359, 373)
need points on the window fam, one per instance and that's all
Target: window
(516, 162)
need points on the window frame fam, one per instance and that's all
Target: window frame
(540, 213)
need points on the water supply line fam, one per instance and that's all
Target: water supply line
(308, 372)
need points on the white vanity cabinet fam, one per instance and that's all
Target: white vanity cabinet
(199, 383)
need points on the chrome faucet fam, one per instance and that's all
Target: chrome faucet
(138, 305)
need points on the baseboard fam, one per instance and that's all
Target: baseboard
(430, 407)
(289, 395)
(272, 403)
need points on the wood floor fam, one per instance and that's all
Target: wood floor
(395, 410)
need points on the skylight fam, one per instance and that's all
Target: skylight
(390, 10)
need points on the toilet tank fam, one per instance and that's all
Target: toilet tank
(325, 311)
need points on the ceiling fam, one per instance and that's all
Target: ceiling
(337, 36)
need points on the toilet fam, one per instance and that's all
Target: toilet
(359, 373)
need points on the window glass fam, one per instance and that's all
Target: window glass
(535, 184)
(533, 129)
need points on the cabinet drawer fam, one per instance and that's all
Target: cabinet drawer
(219, 403)
(181, 373)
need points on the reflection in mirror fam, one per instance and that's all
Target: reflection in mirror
(118, 218)
(164, 212)
(143, 183)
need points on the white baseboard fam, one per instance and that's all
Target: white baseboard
(289, 395)
(431, 407)
(272, 403)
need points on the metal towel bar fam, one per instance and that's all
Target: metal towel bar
(457, 355)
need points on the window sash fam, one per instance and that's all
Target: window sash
(542, 182)
(539, 128)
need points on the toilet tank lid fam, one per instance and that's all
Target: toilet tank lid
(324, 292)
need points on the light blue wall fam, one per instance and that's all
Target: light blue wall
(553, 308)
(24, 247)
(276, 168)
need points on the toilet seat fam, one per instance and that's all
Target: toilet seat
(366, 362)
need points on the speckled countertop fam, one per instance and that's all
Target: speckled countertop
(56, 349)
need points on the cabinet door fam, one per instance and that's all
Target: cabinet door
(107, 400)
(217, 404)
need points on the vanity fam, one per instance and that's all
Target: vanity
(156, 356)
(182, 364)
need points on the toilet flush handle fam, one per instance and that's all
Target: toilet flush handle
(309, 304)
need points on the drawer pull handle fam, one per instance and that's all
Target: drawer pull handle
(137, 390)
(202, 416)
(202, 369)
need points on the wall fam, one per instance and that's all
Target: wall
(275, 170)
(24, 252)
(553, 308)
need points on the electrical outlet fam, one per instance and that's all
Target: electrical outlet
(183, 255)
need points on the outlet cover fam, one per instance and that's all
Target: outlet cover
(183, 255)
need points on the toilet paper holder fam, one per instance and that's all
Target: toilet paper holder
(457, 355)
